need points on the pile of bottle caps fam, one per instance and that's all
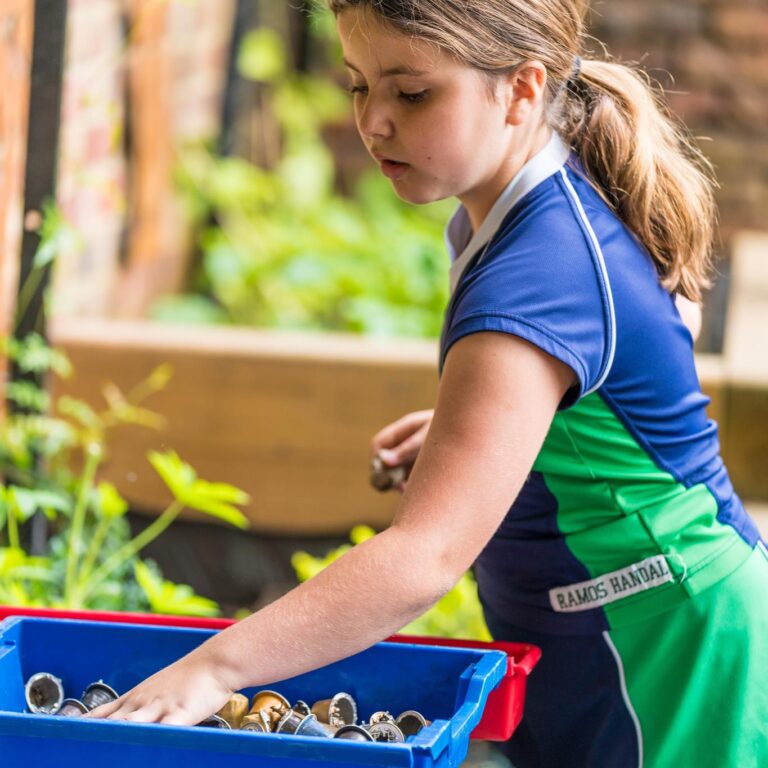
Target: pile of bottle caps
(337, 717)
(44, 693)
(267, 712)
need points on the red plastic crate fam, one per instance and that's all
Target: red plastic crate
(504, 708)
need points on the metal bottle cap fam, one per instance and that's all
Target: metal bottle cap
(255, 723)
(289, 722)
(272, 703)
(337, 711)
(353, 733)
(411, 722)
(381, 717)
(214, 721)
(72, 708)
(383, 477)
(98, 693)
(44, 694)
(302, 707)
(234, 710)
(386, 731)
(309, 726)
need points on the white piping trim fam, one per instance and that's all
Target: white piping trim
(541, 166)
(601, 261)
(625, 696)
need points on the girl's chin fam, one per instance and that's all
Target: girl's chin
(416, 196)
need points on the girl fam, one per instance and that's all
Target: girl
(569, 456)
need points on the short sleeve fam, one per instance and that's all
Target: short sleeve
(542, 278)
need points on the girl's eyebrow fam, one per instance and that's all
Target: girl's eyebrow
(401, 70)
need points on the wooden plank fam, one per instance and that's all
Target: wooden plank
(745, 406)
(16, 23)
(746, 439)
(287, 418)
(746, 338)
(177, 69)
(711, 372)
(154, 257)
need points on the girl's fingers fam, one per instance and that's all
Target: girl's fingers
(179, 717)
(394, 434)
(105, 710)
(407, 451)
(148, 713)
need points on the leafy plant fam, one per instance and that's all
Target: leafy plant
(286, 250)
(50, 454)
(457, 614)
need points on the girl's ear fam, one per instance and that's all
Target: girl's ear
(525, 92)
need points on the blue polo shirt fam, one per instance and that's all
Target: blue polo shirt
(629, 508)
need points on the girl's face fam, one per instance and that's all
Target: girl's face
(429, 121)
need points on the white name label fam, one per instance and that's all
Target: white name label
(647, 574)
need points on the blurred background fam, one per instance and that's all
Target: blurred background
(188, 215)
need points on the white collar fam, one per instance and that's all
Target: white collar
(462, 244)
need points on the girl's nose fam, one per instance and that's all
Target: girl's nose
(373, 122)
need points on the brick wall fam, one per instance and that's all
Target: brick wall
(717, 53)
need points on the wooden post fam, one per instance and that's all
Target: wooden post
(169, 43)
(16, 20)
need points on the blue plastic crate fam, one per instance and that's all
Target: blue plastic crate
(447, 685)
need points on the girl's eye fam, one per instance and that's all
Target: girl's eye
(353, 89)
(413, 98)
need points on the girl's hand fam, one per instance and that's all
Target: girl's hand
(399, 443)
(184, 693)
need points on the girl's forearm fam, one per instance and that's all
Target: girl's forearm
(366, 595)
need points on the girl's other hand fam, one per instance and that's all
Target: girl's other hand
(185, 693)
(399, 443)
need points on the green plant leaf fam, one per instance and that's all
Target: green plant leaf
(78, 410)
(188, 310)
(166, 597)
(175, 473)
(13, 593)
(361, 533)
(215, 499)
(127, 413)
(262, 55)
(159, 377)
(25, 502)
(10, 558)
(27, 395)
(56, 235)
(32, 354)
(48, 436)
(109, 504)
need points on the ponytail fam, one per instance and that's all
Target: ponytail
(646, 169)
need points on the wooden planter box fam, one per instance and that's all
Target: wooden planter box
(286, 417)
(289, 417)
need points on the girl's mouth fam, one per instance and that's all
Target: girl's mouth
(393, 169)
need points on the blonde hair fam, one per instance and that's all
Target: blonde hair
(643, 164)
